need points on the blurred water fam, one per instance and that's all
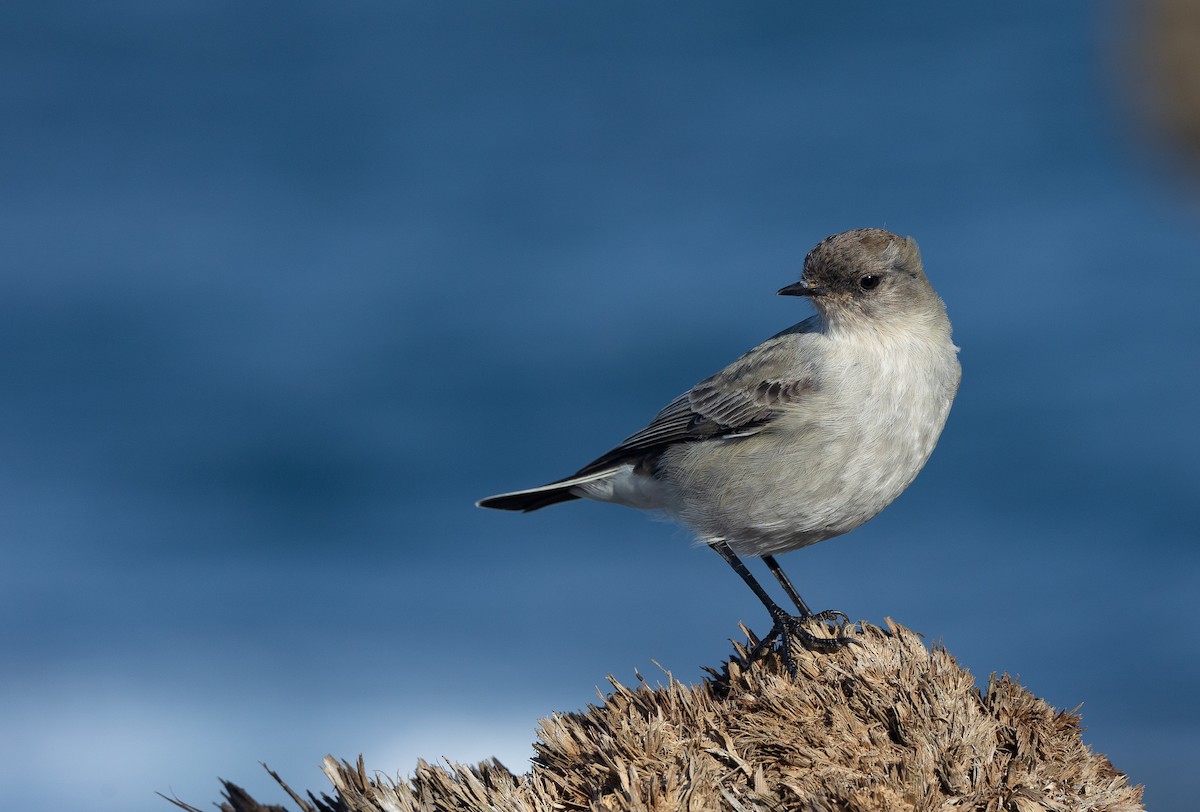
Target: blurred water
(284, 289)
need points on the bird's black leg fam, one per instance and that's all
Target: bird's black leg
(829, 614)
(786, 627)
(732, 560)
(775, 569)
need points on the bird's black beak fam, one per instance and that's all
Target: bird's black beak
(801, 289)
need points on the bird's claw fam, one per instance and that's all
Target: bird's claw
(788, 628)
(841, 619)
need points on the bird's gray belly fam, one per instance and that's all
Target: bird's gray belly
(806, 478)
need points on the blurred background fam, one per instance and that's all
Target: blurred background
(285, 288)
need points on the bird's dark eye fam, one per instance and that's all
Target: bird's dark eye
(869, 282)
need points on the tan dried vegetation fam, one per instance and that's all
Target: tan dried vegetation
(885, 725)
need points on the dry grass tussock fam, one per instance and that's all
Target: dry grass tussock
(885, 725)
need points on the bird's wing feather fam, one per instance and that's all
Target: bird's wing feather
(738, 400)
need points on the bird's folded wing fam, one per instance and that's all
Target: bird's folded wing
(737, 401)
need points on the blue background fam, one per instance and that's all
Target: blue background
(286, 287)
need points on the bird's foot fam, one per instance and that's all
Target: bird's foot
(800, 629)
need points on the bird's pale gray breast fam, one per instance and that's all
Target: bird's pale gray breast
(830, 461)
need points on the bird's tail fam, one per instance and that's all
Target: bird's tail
(536, 498)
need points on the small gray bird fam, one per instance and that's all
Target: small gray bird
(803, 438)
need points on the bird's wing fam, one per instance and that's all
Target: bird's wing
(736, 402)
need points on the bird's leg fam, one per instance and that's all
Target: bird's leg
(786, 627)
(778, 616)
(775, 569)
(829, 614)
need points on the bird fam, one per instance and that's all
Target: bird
(804, 437)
